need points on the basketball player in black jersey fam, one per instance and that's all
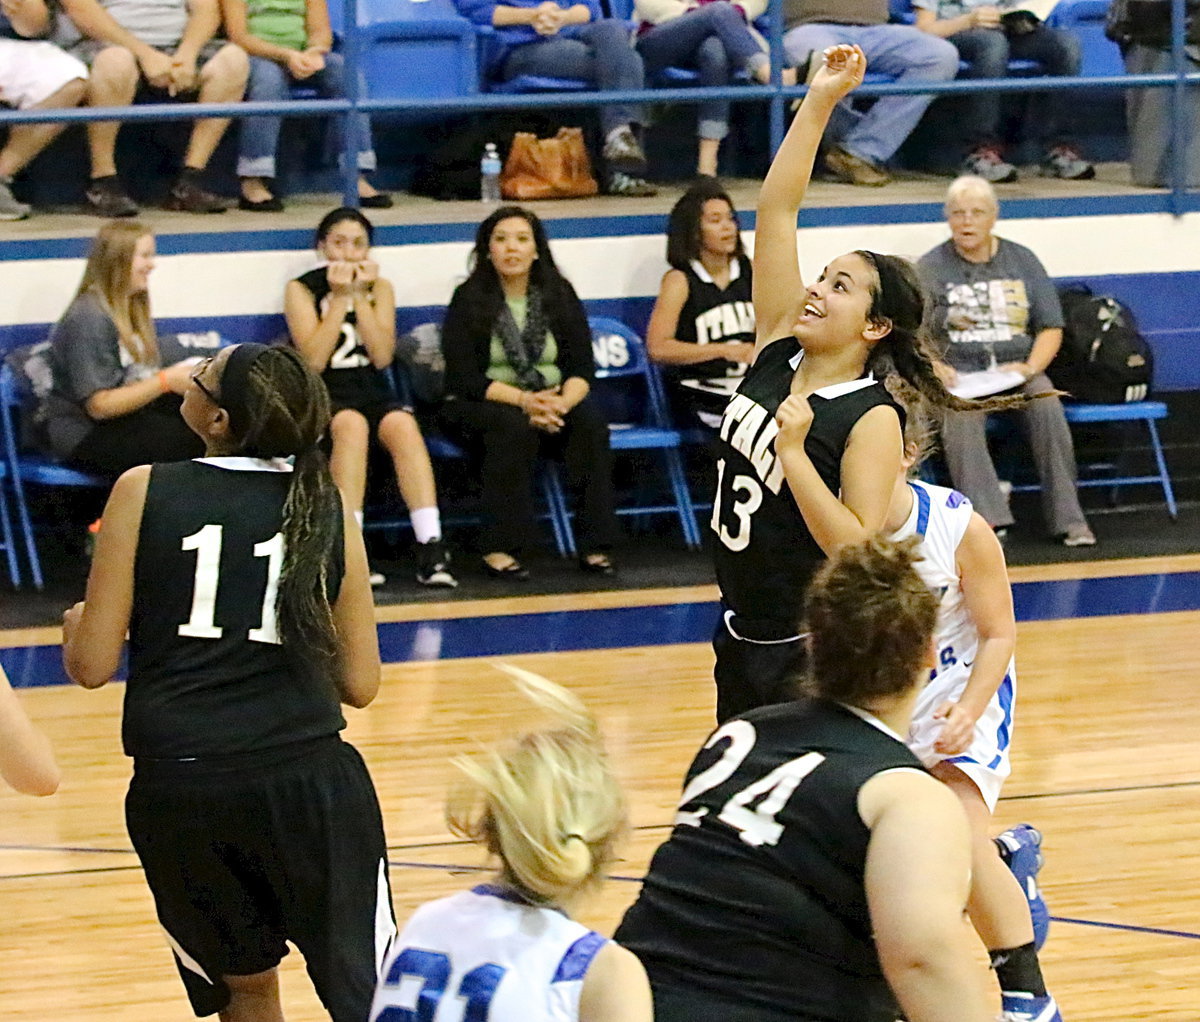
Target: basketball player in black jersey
(702, 328)
(342, 318)
(242, 581)
(815, 872)
(809, 447)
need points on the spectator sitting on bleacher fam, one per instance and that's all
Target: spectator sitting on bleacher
(33, 75)
(548, 39)
(995, 309)
(987, 39)
(117, 385)
(519, 371)
(702, 327)
(859, 153)
(717, 39)
(167, 48)
(342, 319)
(290, 43)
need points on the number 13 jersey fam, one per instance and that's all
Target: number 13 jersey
(207, 673)
(765, 553)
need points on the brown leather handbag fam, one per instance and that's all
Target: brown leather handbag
(548, 168)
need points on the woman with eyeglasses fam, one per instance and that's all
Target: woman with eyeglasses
(241, 580)
(116, 383)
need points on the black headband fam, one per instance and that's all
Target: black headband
(235, 384)
(890, 283)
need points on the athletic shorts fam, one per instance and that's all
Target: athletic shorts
(754, 668)
(985, 760)
(282, 845)
(373, 411)
(31, 72)
(87, 50)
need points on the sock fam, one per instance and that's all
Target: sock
(427, 524)
(358, 517)
(1018, 970)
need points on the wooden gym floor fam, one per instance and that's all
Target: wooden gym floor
(1106, 762)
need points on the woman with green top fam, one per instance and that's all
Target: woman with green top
(519, 370)
(290, 43)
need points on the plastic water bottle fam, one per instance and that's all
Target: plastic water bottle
(489, 174)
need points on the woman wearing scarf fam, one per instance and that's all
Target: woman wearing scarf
(519, 371)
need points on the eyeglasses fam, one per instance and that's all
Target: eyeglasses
(200, 383)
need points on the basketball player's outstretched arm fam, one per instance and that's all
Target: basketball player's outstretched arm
(94, 630)
(917, 879)
(983, 576)
(778, 286)
(354, 620)
(26, 760)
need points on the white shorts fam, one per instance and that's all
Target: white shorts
(985, 760)
(32, 71)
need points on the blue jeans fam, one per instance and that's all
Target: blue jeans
(713, 39)
(599, 53)
(272, 83)
(907, 54)
(987, 52)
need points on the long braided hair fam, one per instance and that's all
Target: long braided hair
(286, 413)
(906, 354)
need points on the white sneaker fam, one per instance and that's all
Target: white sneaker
(10, 209)
(376, 579)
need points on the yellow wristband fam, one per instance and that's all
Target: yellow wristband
(163, 385)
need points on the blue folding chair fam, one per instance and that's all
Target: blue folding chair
(6, 533)
(1085, 20)
(28, 467)
(630, 392)
(417, 49)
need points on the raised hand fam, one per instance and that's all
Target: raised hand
(841, 73)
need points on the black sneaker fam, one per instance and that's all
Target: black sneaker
(105, 197)
(433, 565)
(187, 196)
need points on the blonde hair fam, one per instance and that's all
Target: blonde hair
(547, 805)
(107, 277)
(971, 184)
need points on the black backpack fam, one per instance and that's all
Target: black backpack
(1103, 359)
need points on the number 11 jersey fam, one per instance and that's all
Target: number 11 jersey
(208, 675)
(765, 554)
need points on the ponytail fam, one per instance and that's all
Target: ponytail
(548, 806)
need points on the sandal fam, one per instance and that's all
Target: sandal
(513, 571)
(597, 564)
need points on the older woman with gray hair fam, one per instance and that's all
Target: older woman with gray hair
(996, 309)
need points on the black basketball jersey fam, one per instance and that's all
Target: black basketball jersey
(352, 381)
(765, 553)
(712, 315)
(207, 673)
(758, 896)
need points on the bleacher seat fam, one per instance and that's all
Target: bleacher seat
(630, 392)
(28, 467)
(417, 49)
(1085, 19)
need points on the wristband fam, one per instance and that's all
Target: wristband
(163, 385)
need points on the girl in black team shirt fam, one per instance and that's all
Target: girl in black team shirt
(242, 581)
(702, 328)
(809, 447)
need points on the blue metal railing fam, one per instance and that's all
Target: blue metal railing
(775, 94)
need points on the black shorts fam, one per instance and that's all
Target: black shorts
(695, 1005)
(373, 412)
(282, 845)
(755, 669)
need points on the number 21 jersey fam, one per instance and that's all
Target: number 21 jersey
(765, 554)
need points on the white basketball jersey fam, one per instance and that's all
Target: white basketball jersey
(939, 518)
(484, 956)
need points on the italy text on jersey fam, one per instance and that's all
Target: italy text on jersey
(750, 430)
(730, 319)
